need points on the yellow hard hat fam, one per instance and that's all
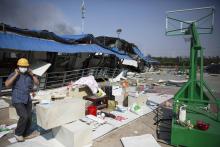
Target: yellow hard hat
(23, 62)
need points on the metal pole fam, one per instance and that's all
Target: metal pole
(201, 73)
(83, 11)
(82, 27)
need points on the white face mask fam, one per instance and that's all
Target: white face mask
(22, 69)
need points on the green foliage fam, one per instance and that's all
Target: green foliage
(184, 61)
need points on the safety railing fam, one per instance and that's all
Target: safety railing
(59, 79)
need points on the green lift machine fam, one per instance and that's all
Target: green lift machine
(201, 126)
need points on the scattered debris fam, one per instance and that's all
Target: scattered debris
(2, 133)
(94, 118)
(12, 140)
(92, 84)
(118, 77)
(146, 140)
(40, 67)
(3, 104)
(12, 126)
(120, 118)
(135, 108)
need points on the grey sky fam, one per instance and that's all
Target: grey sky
(142, 21)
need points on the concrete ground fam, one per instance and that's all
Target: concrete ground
(140, 126)
(144, 124)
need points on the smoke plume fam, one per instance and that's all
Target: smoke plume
(35, 15)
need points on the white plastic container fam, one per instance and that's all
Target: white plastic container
(182, 114)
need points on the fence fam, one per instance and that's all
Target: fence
(59, 79)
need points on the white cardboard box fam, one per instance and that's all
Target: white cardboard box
(60, 112)
(76, 134)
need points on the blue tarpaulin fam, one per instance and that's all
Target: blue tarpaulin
(139, 53)
(24, 43)
(147, 59)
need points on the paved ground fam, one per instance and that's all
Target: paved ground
(144, 124)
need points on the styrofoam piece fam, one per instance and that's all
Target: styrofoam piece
(118, 77)
(48, 94)
(132, 89)
(40, 67)
(117, 92)
(146, 140)
(40, 141)
(94, 118)
(177, 81)
(133, 94)
(76, 134)
(115, 86)
(130, 62)
(3, 104)
(12, 126)
(119, 99)
(131, 73)
(45, 101)
(158, 99)
(60, 112)
(162, 81)
(13, 113)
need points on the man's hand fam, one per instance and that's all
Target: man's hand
(30, 72)
(17, 72)
(36, 81)
(9, 82)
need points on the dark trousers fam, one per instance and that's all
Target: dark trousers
(24, 122)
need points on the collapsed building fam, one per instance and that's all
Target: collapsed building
(79, 51)
(67, 53)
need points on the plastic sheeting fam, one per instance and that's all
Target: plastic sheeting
(90, 82)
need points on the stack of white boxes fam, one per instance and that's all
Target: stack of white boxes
(62, 117)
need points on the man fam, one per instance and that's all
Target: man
(0, 86)
(22, 81)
